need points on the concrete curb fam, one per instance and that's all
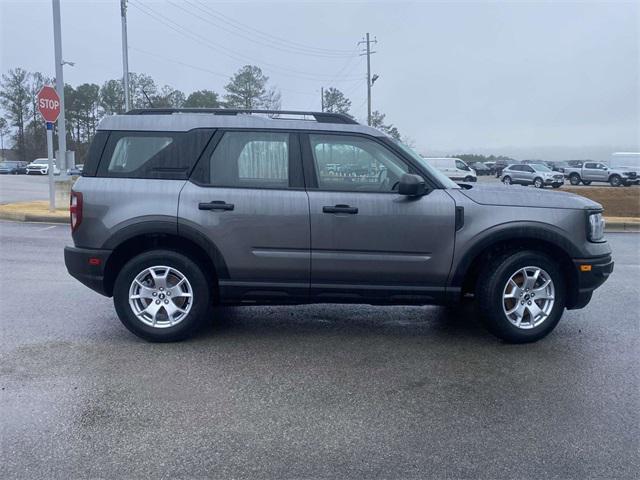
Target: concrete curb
(622, 227)
(30, 217)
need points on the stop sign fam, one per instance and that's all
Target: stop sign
(48, 103)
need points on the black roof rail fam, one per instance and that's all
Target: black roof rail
(321, 117)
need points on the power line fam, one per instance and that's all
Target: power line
(206, 70)
(243, 27)
(215, 46)
(251, 36)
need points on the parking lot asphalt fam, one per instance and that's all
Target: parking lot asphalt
(310, 392)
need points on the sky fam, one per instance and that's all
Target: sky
(549, 80)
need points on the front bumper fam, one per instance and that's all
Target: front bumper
(591, 273)
(87, 265)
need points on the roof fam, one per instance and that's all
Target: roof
(176, 120)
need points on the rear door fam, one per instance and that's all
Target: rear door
(368, 243)
(593, 171)
(247, 197)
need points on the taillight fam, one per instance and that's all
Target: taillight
(75, 210)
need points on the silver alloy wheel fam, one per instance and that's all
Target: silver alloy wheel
(506, 180)
(538, 183)
(160, 296)
(528, 297)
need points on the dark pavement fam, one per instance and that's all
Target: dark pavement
(310, 392)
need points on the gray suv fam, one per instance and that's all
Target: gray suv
(179, 210)
(535, 174)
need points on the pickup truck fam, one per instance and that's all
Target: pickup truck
(599, 172)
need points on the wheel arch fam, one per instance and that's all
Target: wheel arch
(188, 242)
(504, 238)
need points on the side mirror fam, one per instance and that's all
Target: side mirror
(412, 185)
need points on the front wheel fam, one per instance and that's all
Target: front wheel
(506, 180)
(538, 183)
(615, 181)
(162, 296)
(574, 179)
(521, 296)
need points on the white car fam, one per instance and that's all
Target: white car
(40, 166)
(454, 168)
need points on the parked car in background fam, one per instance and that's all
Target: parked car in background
(40, 166)
(454, 168)
(481, 169)
(559, 166)
(13, 168)
(177, 212)
(599, 172)
(537, 175)
(75, 171)
(499, 166)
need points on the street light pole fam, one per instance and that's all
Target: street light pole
(62, 126)
(125, 56)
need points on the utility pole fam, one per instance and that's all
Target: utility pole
(125, 56)
(368, 53)
(62, 126)
(322, 99)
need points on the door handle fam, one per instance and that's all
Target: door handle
(216, 205)
(340, 209)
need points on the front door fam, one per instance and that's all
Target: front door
(247, 197)
(368, 243)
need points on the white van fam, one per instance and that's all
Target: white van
(454, 168)
(626, 161)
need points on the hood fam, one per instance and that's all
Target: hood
(518, 196)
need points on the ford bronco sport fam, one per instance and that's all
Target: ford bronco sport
(178, 210)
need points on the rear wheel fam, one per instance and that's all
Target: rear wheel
(615, 180)
(574, 179)
(162, 296)
(538, 183)
(521, 296)
(506, 180)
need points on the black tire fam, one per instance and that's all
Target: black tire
(200, 308)
(506, 180)
(574, 179)
(489, 293)
(587, 182)
(615, 181)
(538, 182)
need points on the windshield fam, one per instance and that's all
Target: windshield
(540, 168)
(6, 164)
(441, 177)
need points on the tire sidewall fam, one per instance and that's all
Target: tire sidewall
(494, 316)
(195, 276)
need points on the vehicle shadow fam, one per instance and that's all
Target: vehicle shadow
(454, 323)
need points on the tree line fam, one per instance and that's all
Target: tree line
(22, 128)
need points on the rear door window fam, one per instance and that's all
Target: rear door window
(252, 159)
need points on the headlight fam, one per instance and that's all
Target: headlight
(596, 227)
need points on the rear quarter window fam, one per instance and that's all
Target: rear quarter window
(152, 155)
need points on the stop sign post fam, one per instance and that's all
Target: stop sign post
(49, 107)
